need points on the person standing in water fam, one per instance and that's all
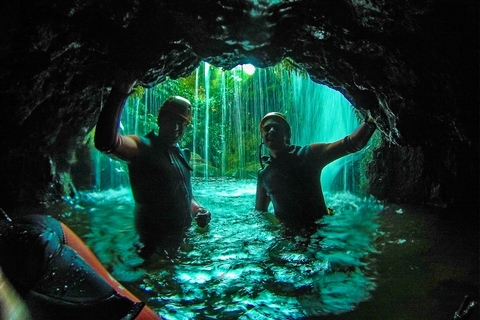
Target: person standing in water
(291, 178)
(159, 170)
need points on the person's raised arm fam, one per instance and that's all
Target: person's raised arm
(360, 137)
(107, 138)
(354, 142)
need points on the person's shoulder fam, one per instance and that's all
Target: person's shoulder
(300, 150)
(151, 135)
(292, 149)
(316, 147)
(313, 151)
(148, 139)
(138, 139)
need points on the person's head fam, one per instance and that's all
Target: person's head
(173, 117)
(275, 130)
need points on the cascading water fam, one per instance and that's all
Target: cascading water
(224, 123)
(195, 116)
(228, 105)
(207, 117)
(329, 116)
(237, 119)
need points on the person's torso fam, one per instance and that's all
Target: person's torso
(293, 185)
(160, 178)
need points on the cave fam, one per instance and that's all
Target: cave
(412, 65)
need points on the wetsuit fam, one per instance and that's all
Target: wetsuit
(293, 185)
(58, 277)
(160, 180)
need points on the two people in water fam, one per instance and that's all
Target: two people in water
(53, 258)
(160, 171)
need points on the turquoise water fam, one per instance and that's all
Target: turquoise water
(245, 265)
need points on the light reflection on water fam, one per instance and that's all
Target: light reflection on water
(244, 266)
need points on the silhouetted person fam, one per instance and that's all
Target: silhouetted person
(159, 170)
(291, 178)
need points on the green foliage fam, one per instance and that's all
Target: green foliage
(138, 92)
(291, 66)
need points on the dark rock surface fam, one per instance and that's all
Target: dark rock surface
(412, 64)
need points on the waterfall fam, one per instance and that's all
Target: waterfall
(207, 117)
(195, 116)
(224, 123)
(237, 120)
(320, 114)
(228, 106)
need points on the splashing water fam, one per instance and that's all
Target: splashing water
(245, 266)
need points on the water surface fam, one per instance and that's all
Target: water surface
(245, 265)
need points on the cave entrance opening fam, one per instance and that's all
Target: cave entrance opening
(228, 106)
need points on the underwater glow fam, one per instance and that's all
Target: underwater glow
(248, 69)
(245, 266)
